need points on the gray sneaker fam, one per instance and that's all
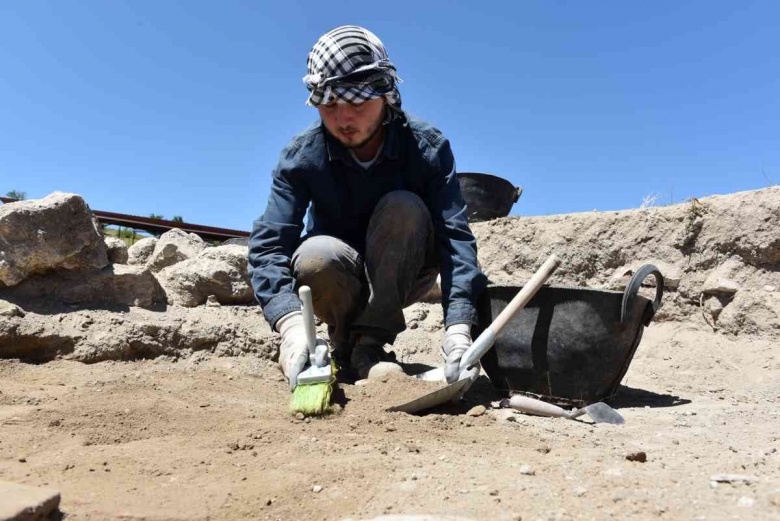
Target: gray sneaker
(370, 360)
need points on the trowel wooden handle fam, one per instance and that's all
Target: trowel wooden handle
(536, 407)
(486, 339)
(307, 309)
(527, 293)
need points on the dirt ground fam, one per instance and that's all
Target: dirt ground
(210, 437)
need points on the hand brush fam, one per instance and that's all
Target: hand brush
(311, 396)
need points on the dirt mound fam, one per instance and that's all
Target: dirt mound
(197, 426)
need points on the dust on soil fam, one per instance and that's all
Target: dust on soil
(201, 429)
(210, 437)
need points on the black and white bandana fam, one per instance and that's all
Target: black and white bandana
(350, 65)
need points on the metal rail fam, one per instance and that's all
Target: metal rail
(157, 226)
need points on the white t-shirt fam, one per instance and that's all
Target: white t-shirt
(365, 165)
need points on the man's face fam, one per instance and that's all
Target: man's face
(353, 124)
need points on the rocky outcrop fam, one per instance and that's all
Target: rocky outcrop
(190, 283)
(140, 252)
(49, 234)
(117, 250)
(174, 246)
(90, 335)
(115, 285)
(715, 247)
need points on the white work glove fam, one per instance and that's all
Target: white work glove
(457, 339)
(293, 351)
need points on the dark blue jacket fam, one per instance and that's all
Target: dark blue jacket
(315, 168)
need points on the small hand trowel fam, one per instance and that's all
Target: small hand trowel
(599, 412)
(480, 346)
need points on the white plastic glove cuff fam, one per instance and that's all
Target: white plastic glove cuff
(457, 339)
(293, 351)
(289, 321)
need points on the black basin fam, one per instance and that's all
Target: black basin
(487, 196)
(570, 346)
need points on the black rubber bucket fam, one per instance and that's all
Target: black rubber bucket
(487, 196)
(569, 346)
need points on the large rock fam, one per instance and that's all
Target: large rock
(43, 235)
(140, 252)
(25, 503)
(117, 250)
(119, 284)
(189, 283)
(752, 312)
(233, 254)
(175, 246)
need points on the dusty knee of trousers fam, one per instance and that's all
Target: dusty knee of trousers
(405, 207)
(313, 257)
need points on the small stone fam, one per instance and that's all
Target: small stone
(212, 302)
(442, 458)
(580, 491)
(22, 460)
(746, 502)
(544, 449)
(477, 410)
(639, 456)
(494, 492)
(300, 416)
(733, 478)
(316, 489)
(527, 470)
(10, 310)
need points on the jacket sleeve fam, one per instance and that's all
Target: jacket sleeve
(461, 280)
(276, 235)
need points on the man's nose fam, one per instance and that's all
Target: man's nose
(343, 114)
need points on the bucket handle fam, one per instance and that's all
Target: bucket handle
(633, 288)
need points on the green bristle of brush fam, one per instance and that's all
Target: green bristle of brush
(313, 399)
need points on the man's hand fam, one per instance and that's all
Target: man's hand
(457, 339)
(293, 352)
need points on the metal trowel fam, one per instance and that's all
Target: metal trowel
(599, 412)
(479, 347)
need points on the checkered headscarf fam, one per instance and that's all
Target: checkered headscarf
(350, 65)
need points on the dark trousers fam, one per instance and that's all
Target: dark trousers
(365, 294)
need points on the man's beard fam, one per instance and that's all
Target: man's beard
(365, 141)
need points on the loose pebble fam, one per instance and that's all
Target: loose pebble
(477, 410)
(639, 456)
(527, 470)
(746, 502)
(300, 416)
(316, 489)
(733, 478)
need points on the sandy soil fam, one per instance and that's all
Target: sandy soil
(210, 438)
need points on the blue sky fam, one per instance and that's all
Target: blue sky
(183, 107)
